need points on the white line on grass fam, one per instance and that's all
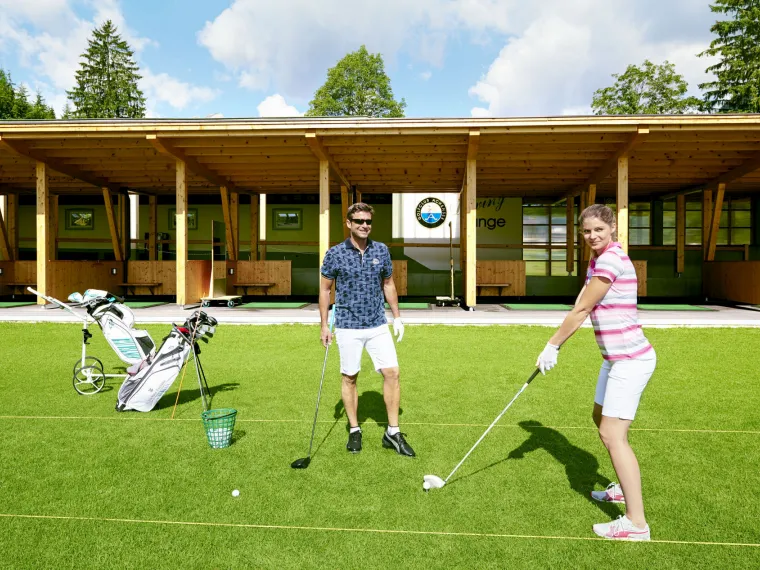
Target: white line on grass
(359, 530)
(430, 424)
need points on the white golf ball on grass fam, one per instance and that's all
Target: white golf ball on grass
(235, 493)
(426, 486)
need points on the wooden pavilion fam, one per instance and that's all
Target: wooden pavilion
(624, 157)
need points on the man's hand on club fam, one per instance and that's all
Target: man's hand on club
(398, 329)
(326, 336)
(548, 358)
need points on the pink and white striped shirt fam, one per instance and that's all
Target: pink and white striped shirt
(615, 318)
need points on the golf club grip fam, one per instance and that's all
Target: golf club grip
(532, 376)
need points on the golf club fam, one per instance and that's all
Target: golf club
(303, 462)
(435, 482)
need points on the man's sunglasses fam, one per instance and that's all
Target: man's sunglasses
(359, 221)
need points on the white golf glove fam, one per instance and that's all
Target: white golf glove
(548, 358)
(398, 329)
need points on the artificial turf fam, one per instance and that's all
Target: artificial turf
(82, 485)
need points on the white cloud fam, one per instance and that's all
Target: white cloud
(276, 106)
(163, 88)
(425, 75)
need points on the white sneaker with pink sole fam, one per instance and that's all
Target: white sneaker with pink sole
(621, 529)
(612, 494)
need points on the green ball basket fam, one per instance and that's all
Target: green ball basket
(219, 425)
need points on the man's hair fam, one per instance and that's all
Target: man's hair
(359, 207)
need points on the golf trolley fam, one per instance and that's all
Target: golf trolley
(116, 320)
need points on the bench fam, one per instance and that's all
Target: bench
(245, 286)
(500, 286)
(150, 286)
(19, 288)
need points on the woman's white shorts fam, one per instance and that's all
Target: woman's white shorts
(379, 344)
(621, 383)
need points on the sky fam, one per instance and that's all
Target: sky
(445, 58)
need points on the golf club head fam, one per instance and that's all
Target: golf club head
(302, 463)
(434, 481)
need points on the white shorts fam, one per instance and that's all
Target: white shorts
(379, 344)
(621, 383)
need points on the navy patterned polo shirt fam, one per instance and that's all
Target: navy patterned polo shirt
(359, 298)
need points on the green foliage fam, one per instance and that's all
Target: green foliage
(737, 85)
(107, 79)
(14, 102)
(356, 86)
(647, 90)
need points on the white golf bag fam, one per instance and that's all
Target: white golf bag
(149, 380)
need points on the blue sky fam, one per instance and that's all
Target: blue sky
(447, 58)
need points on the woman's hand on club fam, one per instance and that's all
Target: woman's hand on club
(548, 358)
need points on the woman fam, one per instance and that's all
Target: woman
(609, 297)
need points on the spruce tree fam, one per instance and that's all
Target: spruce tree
(7, 95)
(737, 85)
(39, 110)
(107, 79)
(21, 105)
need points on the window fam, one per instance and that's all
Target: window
(545, 225)
(639, 221)
(735, 222)
(693, 223)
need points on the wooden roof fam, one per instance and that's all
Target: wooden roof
(547, 157)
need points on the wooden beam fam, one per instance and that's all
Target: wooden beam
(322, 155)
(5, 247)
(611, 163)
(747, 167)
(19, 148)
(622, 202)
(570, 230)
(591, 195)
(462, 232)
(324, 209)
(112, 225)
(181, 236)
(715, 223)
(122, 205)
(254, 227)
(53, 219)
(11, 224)
(680, 233)
(152, 227)
(263, 226)
(227, 215)
(235, 217)
(165, 147)
(471, 257)
(473, 143)
(357, 195)
(706, 220)
(344, 209)
(43, 245)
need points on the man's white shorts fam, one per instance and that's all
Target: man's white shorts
(379, 344)
(621, 383)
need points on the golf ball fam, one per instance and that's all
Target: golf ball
(235, 493)
(426, 485)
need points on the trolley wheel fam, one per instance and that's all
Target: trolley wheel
(89, 380)
(88, 361)
(230, 304)
(205, 304)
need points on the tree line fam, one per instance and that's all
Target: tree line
(107, 80)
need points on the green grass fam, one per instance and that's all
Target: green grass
(11, 304)
(274, 305)
(410, 305)
(84, 486)
(144, 304)
(662, 307)
(538, 306)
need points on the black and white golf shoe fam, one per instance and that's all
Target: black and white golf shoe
(398, 443)
(354, 444)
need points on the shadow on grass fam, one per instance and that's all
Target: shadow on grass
(186, 396)
(237, 435)
(581, 467)
(371, 407)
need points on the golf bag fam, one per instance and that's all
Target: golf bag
(116, 320)
(149, 380)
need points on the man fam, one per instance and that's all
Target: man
(362, 272)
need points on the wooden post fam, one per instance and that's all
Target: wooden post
(715, 224)
(121, 200)
(622, 202)
(344, 209)
(5, 248)
(358, 194)
(471, 239)
(181, 237)
(263, 226)
(43, 237)
(115, 241)
(583, 249)
(235, 216)
(324, 209)
(462, 233)
(152, 227)
(11, 224)
(706, 220)
(570, 230)
(254, 230)
(53, 228)
(680, 232)
(134, 224)
(228, 228)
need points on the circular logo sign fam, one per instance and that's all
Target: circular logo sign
(431, 212)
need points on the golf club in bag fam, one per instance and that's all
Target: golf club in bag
(303, 463)
(149, 380)
(435, 482)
